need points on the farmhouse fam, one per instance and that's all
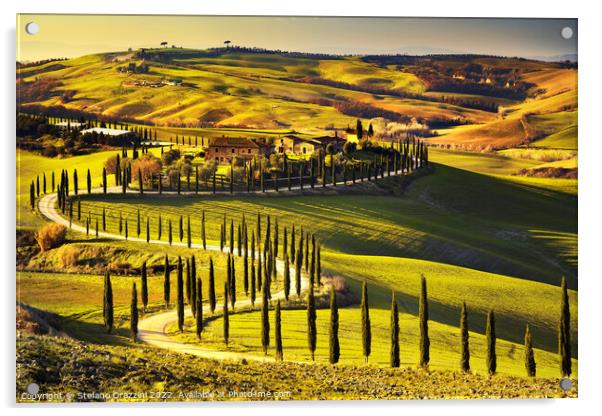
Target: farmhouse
(298, 146)
(223, 149)
(106, 131)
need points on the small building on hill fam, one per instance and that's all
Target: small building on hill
(223, 149)
(323, 141)
(292, 144)
(106, 131)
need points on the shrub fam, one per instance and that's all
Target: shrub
(51, 236)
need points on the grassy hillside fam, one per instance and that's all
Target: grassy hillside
(138, 369)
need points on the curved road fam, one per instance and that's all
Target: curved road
(153, 329)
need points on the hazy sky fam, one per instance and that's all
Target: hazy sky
(76, 35)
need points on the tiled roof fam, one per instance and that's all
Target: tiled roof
(233, 142)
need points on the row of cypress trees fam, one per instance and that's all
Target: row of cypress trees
(192, 290)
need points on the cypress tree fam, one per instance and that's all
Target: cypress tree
(530, 365)
(188, 283)
(52, 180)
(134, 313)
(199, 307)
(231, 236)
(298, 278)
(239, 241)
(144, 286)
(180, 288)
(491, 354)
(159, 227)
(138, 223)
(120, 218)
(75, 182)
(166, 282)
(394, 361)
(423, 316)
(246, 274)
(108, 303)
(188, 235)
(564, 332)
(275, 245)
(318, 265)
(287, 276)
(278, 332)
(169, 232)
(89, 182)
(259, 273)
(366, 326)
(140, 182)
(104, 220)
(32, 195)
(265, 322)
(293, 258)
(211, 286)
(221, 238)
(312, 263)
(306, 252)
(252, 283)
(96, 227)
(193, 285)
(147, 230)
(335, 349)
(203, 230)
(465, 357)
(226, 315)
(104, 181)
(181, 224)
(88, 227)
(311, 323)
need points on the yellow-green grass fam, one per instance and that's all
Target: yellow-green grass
(77, 298)
(542, 155)
(471, 97)
(31, 165)
(493, 135)
(503, 168)
(486, 239)
(489, 163)
(357, 72)
(515, 301)
(563, 139)
(245, 336)
(257, 99)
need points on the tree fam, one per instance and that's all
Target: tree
(564, 332)
(465, 357)
(140, 182)
(370, 131)
(394, 361)
(75, 183)
(180, 289)
(287, 276)
(529, 355)
(491, 354)
(134, 313)
(231, 236)
(32, 195)
(104, 220)
(232, 287)
(188, 283)
(359, 129)
(169, 232)
(366, 327)
(311, 322)
(252, 295)
(108, 303)
(188, 234)
(199, 307)
(144, 286)
(166, 283)
(104, 181)
(423, 316)
(318, 265)
(203, 230)
(246, 274)
(265, 321)
(211, 286)
(193, 285)
(298, 277)
(335, 349)
(278, 332)
(181, 224)
(226, 315)
(138, 223)
(89, 182)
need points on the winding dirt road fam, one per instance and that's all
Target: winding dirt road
(152, 329)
